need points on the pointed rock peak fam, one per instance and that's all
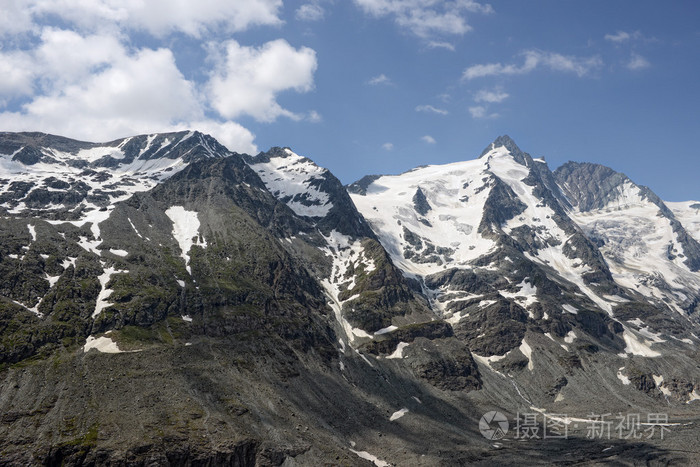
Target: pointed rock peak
(276, 152)
(279, 152)
(592, 186)
(420, 202)
(508, 143)
(360, 187)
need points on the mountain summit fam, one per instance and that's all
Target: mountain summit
(164, 300)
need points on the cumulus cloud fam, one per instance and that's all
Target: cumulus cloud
(380, 79)
(310, 12)
(17, 75)
(89, 79)
(426, 18)
(136, 93)
(431, 109)
(388, 146)
(94, 87)
(232, 135)
(491, 96)
(428, 139)
(637, 62)
(534, 59)
(15, 17)
(246, 80)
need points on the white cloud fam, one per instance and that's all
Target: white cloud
(623, 36)
(160, 17)
(314, 117)
(246, 80)
(534, 59)
(17, 75)
(232, 135)
(94, 88)
(136, 94)
(481, 111)
(431, 109)
(15, 17)
(65, 56)
(441, 45)
(93, 80)
(426, 18)
(388, 146)
(637, 62)
(380, 79)
(493, 97)
(428, 139)
(60, 58)
(477, 111)
(310, 12)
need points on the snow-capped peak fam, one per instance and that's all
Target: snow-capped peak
(510, 147)
(62, 179)
(294, 180)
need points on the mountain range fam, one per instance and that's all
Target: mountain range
(164, 300)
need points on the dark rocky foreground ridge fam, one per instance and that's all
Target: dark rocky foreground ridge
(165, 301)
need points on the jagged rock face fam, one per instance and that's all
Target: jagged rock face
(310, 191)
(61, 179)
(591, 186)
(165, 300)
(647, 248)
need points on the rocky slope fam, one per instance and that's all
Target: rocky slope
(164, 300)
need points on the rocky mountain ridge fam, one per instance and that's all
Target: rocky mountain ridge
(164, 298)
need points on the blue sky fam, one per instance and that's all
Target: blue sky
(369, 86)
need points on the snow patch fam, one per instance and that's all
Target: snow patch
(527, 295)
(638, 346)
(625, 380)
(185, 229)
(135, 229)
(32, 232)
(93, 154)
(386, 330)
(398, 414)
(398, 353)
(527, 351)
(102, 344)
(367, 456)
(570, 337)
(52, 279)
(104, 294)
